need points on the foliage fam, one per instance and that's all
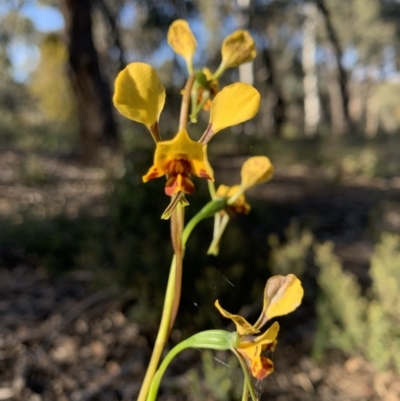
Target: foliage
(356, 323)
(218, 381)
(341, 310)
(361, 163)
(290, 257)
(49, 84)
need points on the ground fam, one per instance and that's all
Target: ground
(60, 339)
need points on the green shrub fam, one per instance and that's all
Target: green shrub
(290, 257)
(355, 323)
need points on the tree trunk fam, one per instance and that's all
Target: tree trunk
(337, 114)
(274, 93)
(312, 110)
(337, 50)
(97, 124)
(371, 111)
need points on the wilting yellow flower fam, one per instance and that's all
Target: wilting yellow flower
(139, 96)
(282, 295)
(238, 48)
(240, 205)
(255, 170)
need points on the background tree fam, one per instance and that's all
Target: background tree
(49, 84)
(93, 94)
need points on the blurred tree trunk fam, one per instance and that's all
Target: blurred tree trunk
(342, 81)
(371, 110)
(312, 112)
(97, 124)
(277, 103)
(337, 111)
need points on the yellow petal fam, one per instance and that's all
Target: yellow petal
(233, 105)
(139, 94)
(238, 48)
(261, 367)
(182, 40)
(252, 348)
(269, 337)
(243, 327)
(256, 170)
(282, 295)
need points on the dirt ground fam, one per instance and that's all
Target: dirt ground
(60, 340)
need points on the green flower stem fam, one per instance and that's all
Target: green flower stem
(211, 189)
(189, 64)
(245, 395)
(218, 231)
(177, 223)
(207, 211)
(247, 385)
(194, 97)
(210, 339)
(219, 71)
(162, 334)
(185, 102)
(197, 109)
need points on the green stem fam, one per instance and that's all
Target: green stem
(219, 72)
(214, 247)
(247, 381)
(211, 189)
(207, 211)
(185, 102)
(177, 223)
(210, 339)
(162, 334)
(197, 109)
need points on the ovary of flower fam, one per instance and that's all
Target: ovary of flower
(212, 88)
(239, 205)
(178, 158)
(282, 295)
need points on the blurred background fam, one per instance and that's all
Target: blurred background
(84, 256)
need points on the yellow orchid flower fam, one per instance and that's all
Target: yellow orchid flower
(282, 295)
(140, 96)
(179, 157)
(237, 48)
(255, 170)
